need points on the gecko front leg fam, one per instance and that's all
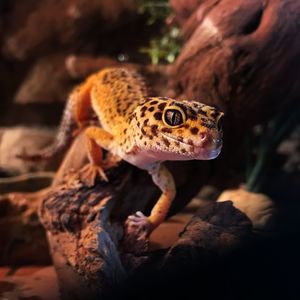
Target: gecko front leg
(96, 139)
(164, 180)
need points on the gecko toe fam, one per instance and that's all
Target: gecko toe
(90, 172)
(139, 223)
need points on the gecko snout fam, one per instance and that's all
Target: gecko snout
(203, 136)
(219, 121)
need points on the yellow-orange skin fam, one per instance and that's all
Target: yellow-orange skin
(135, 127)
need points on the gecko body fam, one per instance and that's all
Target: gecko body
(144, 131)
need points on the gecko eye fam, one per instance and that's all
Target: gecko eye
(174, 117)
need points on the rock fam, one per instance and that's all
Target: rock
(17, 139)
(34, 29)
(80, 66)
(290, 149)
(47, 81)
(30, 283)
(259, 208)
(22, 238)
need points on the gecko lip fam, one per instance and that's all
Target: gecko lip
(200, 152)
(216, 141)
(176, 140)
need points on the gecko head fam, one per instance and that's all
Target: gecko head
(178, 130)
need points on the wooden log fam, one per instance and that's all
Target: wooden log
(236, 55)
(93, 255)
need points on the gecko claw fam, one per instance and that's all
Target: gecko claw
(139, 224)
(90, 172)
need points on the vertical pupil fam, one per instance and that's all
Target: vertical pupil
(174, 117)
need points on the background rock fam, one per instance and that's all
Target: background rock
(15, 140)
(47, 81)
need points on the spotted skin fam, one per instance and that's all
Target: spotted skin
(144, 131)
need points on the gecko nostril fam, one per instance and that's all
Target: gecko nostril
(202, 136)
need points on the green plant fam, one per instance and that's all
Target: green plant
(165, 47)
(156, 10)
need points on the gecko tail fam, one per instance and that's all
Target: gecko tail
(62, 140)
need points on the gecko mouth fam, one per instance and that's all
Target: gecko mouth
(201, 151)
(177, 140)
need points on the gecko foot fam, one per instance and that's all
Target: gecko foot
(90, 172)
(138, 224)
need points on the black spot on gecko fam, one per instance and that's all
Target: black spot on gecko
(151, 108)
(194, 130)
(153, 102)
(193, 118)
(202, 112)
(162, 106)
(192, 112)
(166, 142)
(158, 116)
(105, 79)
(165, 129)
(182, 106)
(213, 114)
(154, 129)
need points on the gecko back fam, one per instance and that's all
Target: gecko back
(113, 94)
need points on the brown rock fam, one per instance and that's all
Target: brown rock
(80, 66)
(47, 81)
(36, 283)
(15, 140)
(22, 238)
(37, 28)
(259, 208)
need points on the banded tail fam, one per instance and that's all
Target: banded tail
(62, 140)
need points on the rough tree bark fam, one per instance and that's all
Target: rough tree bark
(241, 55)
(92, 255)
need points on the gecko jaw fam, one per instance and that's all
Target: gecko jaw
(199, 152)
